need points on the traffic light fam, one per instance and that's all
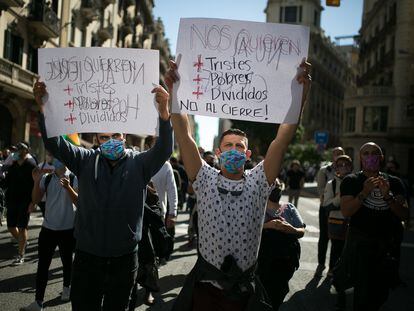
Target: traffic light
(333, 2)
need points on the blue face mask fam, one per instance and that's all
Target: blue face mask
(233, 161)
(113, 149)
(16, 156)
(57, 164)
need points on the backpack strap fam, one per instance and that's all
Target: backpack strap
(334, 186)
(71, 179)
(47, 180)
(96, 166)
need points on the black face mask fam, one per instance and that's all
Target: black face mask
(275, 195)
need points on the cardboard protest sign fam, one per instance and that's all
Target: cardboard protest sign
(99, 90)
(240, 70)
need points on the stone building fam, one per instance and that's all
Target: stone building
(381, 107)
(330, 71)
(26, 25)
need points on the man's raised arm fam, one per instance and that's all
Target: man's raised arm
(286, 132)
(181, 126)
(61, 149)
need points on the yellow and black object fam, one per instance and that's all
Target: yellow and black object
(333, 2)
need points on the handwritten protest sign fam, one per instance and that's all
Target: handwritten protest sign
(99, 90)
(240, 70)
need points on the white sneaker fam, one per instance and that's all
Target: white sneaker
(34, 306)
(65, 294)
(18, 261)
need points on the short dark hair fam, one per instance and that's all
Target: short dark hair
(233, 132)
(208, 153)
(149, 140)
(23, 145)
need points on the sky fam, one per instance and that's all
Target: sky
(342, 21)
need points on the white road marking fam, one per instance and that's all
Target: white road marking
(309, 239)
(312, 229)
(313, 213)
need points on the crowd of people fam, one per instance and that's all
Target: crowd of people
(111, 211)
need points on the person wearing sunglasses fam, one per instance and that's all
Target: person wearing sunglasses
(231, 205)
(108, 225)
(336, 223)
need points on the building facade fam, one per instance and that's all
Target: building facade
(330, 70)
(26, 25)
(381, 107)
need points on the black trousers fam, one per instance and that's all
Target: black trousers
(362, 265)
(323, 235)
(275, 275)
(102, 283)
(147, 275)
(336, 250)
(48, 240)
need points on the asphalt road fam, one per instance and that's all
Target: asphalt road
(306, 292)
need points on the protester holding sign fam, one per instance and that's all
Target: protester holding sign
(112, 183)
(231, 204)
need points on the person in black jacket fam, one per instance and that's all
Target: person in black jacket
(279, 247)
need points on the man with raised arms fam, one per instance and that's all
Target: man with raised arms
(231, 204)
(112, 184)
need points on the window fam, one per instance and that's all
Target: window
(13, 47)
(32, 59)
(291, 14)
(300, 14)
(316, 18)
(350, 118)
(72, 29)
(375, 119)
(281, 13)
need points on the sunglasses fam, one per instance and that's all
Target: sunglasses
(233, 193)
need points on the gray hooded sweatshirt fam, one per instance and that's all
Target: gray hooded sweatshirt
(110, 199)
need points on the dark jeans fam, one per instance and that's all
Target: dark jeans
(102, 278)
(48, 240)
(207, 297)
(323, 235)
(336, 250)
(276, 282)
(362, 266)
(147, 275)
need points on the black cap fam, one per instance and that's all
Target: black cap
(22, 145)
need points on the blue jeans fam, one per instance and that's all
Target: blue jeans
(101, 283)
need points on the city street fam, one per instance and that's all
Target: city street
(307, 293)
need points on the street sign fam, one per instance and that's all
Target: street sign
(321, 137)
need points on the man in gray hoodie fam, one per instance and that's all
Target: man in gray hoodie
(112, 182)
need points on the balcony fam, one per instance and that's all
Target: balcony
(4, 4)
(88, 11)
(105, 3)
(128, 3)
(375, 91)
(105, 33)
(15, 79)
(43, 21)
(126, 28)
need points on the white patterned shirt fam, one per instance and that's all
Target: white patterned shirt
(231, 224)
